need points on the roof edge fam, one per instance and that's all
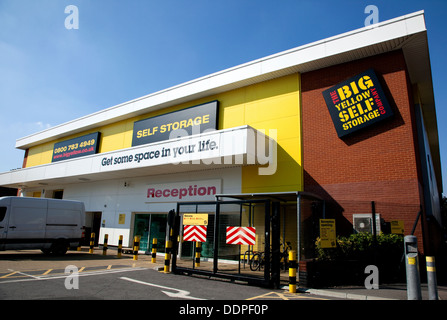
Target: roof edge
(260, 69)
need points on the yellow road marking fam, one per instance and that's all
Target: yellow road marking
(283, 296)
(20, 274)
(7, 275)
(47, 272)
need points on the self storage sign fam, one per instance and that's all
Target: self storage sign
(357, 103)
(184, 122)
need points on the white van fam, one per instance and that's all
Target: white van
(51, 225)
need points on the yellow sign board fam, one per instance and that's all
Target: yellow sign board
(121, 218)
(397, 226)
(195, 219)
(327, 233)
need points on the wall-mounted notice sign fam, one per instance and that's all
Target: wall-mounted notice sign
(187, 122)
(195, 219)
(357, 103)
(397, 226)
(327, 233)
(77, 147)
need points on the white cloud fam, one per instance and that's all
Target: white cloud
(42, 125)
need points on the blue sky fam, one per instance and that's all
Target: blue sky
(127, 49)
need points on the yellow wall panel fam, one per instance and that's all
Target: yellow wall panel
(273, 108)
(113, 137)
(234, 117)
(288, 177)
(40, 155)
(290, 149)
(277, 109)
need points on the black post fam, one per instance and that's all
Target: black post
(267, 242)
(373, 211)
(216, 238)
(374, 231)
(176, 233)
(276, 257)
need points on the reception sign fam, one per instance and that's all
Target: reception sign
(357, 103)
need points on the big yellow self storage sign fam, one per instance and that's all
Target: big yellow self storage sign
(357, 103)
(193, 120)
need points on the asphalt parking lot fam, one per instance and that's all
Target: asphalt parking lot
(15, 262)
(31, 275)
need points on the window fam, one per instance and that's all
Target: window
(2, 213)
(58, 194)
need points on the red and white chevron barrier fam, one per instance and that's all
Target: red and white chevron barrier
(194, 233)
(241, 235)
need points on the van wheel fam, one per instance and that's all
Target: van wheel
(59, 248)
(46, 251)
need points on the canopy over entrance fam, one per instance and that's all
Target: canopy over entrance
(309, 207)
(278, 222)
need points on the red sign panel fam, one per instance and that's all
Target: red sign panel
(194, 233)
(241, 235)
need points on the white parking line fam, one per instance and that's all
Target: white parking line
(24, 274)
(179, 294)
(83, 274)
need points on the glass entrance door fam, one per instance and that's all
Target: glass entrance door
(150, 226)
(158, 230)
(141, 228)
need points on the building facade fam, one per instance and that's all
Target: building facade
(349, 120)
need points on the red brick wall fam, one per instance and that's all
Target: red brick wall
(378, 163)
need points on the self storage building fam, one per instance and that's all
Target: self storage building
(326, 130)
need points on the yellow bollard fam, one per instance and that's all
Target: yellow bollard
(136, 247)
(104, 247)
(431, 278)
(154, 250)
(120, 246)
(292, 271)
(83, 236)
(167, 256)
(198, 252)
(92, 242)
